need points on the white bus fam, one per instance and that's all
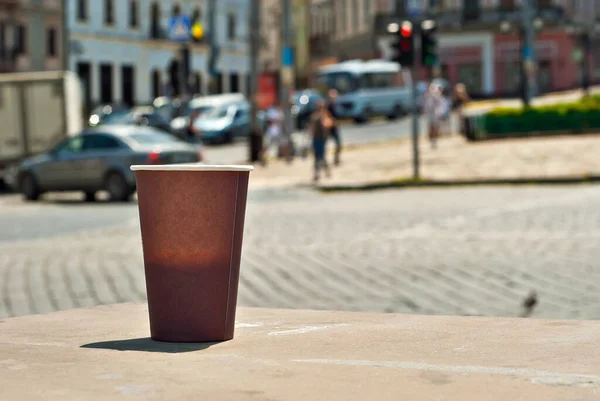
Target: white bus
(367, 89)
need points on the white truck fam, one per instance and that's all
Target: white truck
(37, 109)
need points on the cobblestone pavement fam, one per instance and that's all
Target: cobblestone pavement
(476, 251)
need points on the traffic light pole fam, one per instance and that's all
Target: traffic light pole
(415, 124)
(181, 88)
(212, 55)
(255, 143)
(287, 74)
(406, 47)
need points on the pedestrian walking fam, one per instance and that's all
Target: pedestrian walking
(461, 98)
(334, 132)
(319, 128)
(274, 132)
(433, 110)
(193, 134)
(445, 112)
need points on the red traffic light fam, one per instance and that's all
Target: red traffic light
(406, 29)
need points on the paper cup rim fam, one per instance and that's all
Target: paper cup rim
(190, 167)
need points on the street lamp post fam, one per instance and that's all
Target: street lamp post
(584, 37)
(527, 86)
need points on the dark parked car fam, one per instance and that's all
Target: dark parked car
(99, 159)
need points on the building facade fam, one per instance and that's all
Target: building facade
(121, 51)
(480, 40)
(271, 19)
(31, 35)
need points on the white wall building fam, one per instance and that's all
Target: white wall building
(119, 47)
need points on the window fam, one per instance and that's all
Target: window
(343, 82)
(2, 41)
(51, 42)
(155, 31)
(133, 13)
(507, 4)
(82, 10)
(355, 15)
(240, 113)
(109, 17)
(100, 142)
(231, 25)
(69, 146)
(106, 83)
(545, 4)
(367, 12)
(233, 83)
(344, 17)
(21, 40)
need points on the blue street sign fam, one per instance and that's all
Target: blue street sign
(527, 53)
(287, 57)
(180, 28)
(414, 8)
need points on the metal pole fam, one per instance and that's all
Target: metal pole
(255, 143)
(287, 69)
(181, 72)
(65, 35)
(529, 51)
(415, 124)
(585, 62)
(212, 39)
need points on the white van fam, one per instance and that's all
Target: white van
(367, 89)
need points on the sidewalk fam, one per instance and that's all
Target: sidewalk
(104, 353)
(529, 159)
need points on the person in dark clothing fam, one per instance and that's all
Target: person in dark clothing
(319, 127)
(334, 132)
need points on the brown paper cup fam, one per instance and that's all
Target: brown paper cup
(192, 222)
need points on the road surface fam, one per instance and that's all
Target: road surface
(468, 251)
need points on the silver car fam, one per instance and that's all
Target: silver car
(99, 159)
(224, 123)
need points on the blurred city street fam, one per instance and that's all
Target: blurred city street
(477, 251)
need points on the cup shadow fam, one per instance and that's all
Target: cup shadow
(147, 344)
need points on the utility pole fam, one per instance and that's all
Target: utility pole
(254, 48)
(529, 50)
(586, 44)
(416, 112)
(65, 35)
(287, 72)
(213, 52)
(181, 71)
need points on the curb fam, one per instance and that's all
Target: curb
(409, 183)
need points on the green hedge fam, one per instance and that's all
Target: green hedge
(573, 117)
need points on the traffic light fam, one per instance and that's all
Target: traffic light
(429, 45)
(403, 44)
(197, 27)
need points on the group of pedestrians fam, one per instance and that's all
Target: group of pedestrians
(437, 107)
(323, 126)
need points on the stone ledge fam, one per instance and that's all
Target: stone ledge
(104, 353)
